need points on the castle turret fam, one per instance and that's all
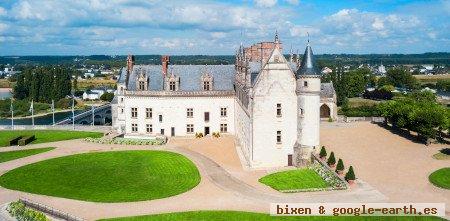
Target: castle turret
(308, 101)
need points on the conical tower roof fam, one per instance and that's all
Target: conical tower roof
(308, 65)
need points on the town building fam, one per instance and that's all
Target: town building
(271, 105)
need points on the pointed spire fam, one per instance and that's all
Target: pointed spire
(276, 37)
(308, 66)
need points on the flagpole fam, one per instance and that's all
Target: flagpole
(12, 115)
(32, 113)
(73, 113)
(53, 111)
(93, 110)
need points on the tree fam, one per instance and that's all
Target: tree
(331, 160)
(323, 152)
(399, 77)
(350, 175)
(107, 97)
(340, 165)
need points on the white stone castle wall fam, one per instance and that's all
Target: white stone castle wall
(276, 84)
(173, 110)
(243, 131)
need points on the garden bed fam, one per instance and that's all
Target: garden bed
(126, 141)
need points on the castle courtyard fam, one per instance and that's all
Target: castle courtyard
(390, 169)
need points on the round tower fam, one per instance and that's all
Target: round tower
(308, 101)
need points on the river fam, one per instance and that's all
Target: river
(5, 93)
(41, 120)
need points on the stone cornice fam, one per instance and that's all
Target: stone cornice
(180, 93)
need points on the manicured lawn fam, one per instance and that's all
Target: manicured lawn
(294, 180)
(44, 136)
(118, 176)
(248, 216)
(441, 178)
(12, 155)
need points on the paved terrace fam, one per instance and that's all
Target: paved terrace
(225, 185)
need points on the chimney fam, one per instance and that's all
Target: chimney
(165, 59)
(130, 63)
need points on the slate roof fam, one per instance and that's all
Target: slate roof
(308, 65)
(255, 68)
(327, 90)
(190, 76)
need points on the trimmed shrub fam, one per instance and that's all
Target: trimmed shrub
(323, 152)
(126, 141)
(26, 140)
(445, 151)
(14, 141)
(216, 134)
(340, 165)
(331, 159)
(350, 175)
(198, 135)
(22, 213)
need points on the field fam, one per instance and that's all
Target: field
(4, 83)
(358, 102)
(294, 180)
(96, 82)
(12, 155)
(119, 176)
(431, 78)
(248, 216)
(441, 178)
(44, 136)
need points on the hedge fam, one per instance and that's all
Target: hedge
(26, 140)
(15, 140)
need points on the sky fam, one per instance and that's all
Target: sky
(183, 27)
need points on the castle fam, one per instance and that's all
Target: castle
(271, 105)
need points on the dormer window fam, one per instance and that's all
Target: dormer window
(172, 83)
(142, 83)
(172, 86)
(206, 86)
(207, 82)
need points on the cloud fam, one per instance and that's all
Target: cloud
(2, 11)
(293, 2)
(265, 3)
(302, 31)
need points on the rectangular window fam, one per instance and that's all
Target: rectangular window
(278, 110)
(121, 110)
(206, 116)
(162, 131)
(223, 112)
(148, 113)
(223, 128)
(278, 137)
(172, 86)
(206, 86)
(134, 128)
(141, 85)
(149, 128)
(189, 128)
(134, 112)
(302, 112)
(190, 112)
(160, 118)
(305, 83)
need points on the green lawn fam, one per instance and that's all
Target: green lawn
(294, 180)
(248, 216)
(43, 136)
(12, 155)
(118, 176)
(441, 178)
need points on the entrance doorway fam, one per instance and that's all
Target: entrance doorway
(290, 160)
(324, 111)
(172, 131)
(206, 131)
